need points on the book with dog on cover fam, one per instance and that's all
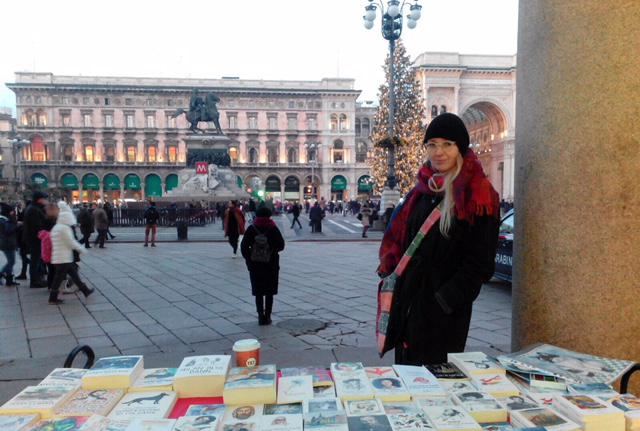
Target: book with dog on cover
(144, 405)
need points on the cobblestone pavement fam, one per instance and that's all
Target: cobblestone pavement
(181, 298)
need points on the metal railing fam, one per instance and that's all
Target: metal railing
(128, 217)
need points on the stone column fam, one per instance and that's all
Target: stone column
(576, 271)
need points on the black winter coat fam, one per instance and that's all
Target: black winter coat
(264, 276)
(8, 234)
(435, 296)
(34, 222)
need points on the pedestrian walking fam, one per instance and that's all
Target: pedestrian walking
(295, 212)
(316, 214)
(34, 221)
(260, 247)
(8, 241)
(86, 225)
(51, 216)
(108, 208)
(62, 256)
(101, 223)
(456, 210)
(24, 251)
(233, 225)
(151, 217)
(365, 217)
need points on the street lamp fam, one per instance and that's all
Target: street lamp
(17, 144)
(391, 26)
(314, 147)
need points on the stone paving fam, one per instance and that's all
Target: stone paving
(184, 298)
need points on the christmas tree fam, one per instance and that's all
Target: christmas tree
(408, 130)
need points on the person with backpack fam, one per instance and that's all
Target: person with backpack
(233, 225)
(260, 247)
(151, 217)
(8, 241)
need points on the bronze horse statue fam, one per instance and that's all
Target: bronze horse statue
(201, 110)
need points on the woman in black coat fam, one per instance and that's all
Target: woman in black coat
(263, 262)
(430, 312)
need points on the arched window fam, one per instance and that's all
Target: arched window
(172, 153)
(361, 152)
(152, 153)
(67, 153)
(338, 151)
(89, 153)
(131, 153)
(366, 127)
(41, 118)
(443, 109)
(292, 155)
(334, 122)
(233, 153)
(38, 149)
(28, 118)
(344, 123)
(434, 111)
(272, 154)
(358, 128)
(253, 155)
(109, 153)
(311, 154)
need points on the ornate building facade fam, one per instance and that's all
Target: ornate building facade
(114, 138)
(482, 90)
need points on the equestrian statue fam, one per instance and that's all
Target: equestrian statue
(201, 110)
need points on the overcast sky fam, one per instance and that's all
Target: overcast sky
(268, 39)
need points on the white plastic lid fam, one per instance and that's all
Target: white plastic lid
(246, 345)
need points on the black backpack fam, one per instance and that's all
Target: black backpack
(152, 215)
(261, 251)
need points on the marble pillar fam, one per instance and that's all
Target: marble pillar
(576, 257)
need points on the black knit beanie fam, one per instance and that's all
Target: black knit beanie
(449, 126)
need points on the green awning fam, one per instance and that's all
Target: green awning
(40, 181)
(111, 182)
(90, 182)
(365, 184)
(132, 182)
(338, 183)
(272, 184)
(152, 186)
(70, 182)
(172, 182)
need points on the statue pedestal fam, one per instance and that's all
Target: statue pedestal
(388, 198)
(207, 141)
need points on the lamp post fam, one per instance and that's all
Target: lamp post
(17, 144)
(391, 26)
(313, 146)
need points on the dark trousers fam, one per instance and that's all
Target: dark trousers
(11, 260)
(109, 232)
(24, 257)
(61, 272)
(233, 241)
(35, 266)
(102, 236)
(264, 304)
(51, 272)
(295, 220)
(86, 234)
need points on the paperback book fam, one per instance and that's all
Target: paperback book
(390, 389)
(453, 386)
(630, 405)
(481, 406)
(256, 385)
(290, 422)
(321, 376)
(324, 392)
(72, 423)
(151, 425)
(406, 416)
(42, 400)
(144, 405)
(363, 407)
(346, 367)
(154, 379)
(17, 422)
(197, 423)
(497, 385)
(201, 376)
(115, 372)
(518, 402)
(543, 417)
(353, 385)
(590, 413)
(379, 372)
(532, 376)
(475, 363)
(446, 371)
(369, 423)
(326, 421)
(295, 389)
(206, 410)
(71, 377)
(282, 409)
(322, 405)
(88, 402)
(420, 382)
(451, 418)
(600, 390)
(243, 413)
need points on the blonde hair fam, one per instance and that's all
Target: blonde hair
(448, 204)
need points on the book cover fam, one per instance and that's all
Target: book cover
(453, 386)
(497, 385)
(243, 413)
(115, 372)
(288, 422)
(37, 399)
(475, 363)
(322, 405)
(378, 372)
(256, 385)
(410, 422)
(369, 423)
(627, 403)
(390, 389)
(72, 423)
(240, 426)
(446, 371)
(282, 409)
(419, 382)
(17, 422)
(151, 425)
(543, 417)
(346, 367)
(600, 390)
(197, 423)
(353, 386)
(71, 377)
(325, 421)
(398, 407)
(206, 410)
(434, 402)
(363, 407)
(144, 405)
(321, 376)
(481, 406)
(518, 402)
(295, 389)
(154, 379)
(201, 376)
(324, 392)
(117, 424)
(451, 418)
(88, 402)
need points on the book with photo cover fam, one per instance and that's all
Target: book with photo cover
(446, 371)
(379, 372)
(321, 376)
(532, 376)
(197, 423)
(369, 423)
(543, 417)
(255, 385)
(114, 372)
(144, 405)
(407, 416)
(150, 425)
(71, 423)
(630, 405)
(322, 405)
(390, 389)
(240, 426)
(363, 407)
(201, 376)
(71, 377)
(419, 381)
(329, 420)
(117, 424)
(498, 385)
(600, 390)
(324, 392)
(154, 380)
(295, 389)
(89, 402)
(518, 402)
(17, 422)
(282, 409)
(453, 386)
(481, 406)
(475, 363)
(435, 402)
(243, 413)
(292, 422)
(451, 418)
(353, 386)
(206, 410)
(346, 367)
(42, 400)
(590, 412)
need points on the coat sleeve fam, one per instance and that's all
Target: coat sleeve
(476, 266)
(278, 240)
(69, 240)
(247, 242)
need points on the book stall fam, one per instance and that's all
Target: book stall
(541, 388)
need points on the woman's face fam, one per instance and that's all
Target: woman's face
(442, 153)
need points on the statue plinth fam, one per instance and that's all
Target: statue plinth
(207, 141)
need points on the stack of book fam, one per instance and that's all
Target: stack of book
(475, 363)
(387, 386)
(41, 400)
(590, 413)
(351, 381)
(419, 382)
(481, 406)
(630, 405)
(406, 416)
(451, 418)
(498, 385)
(201, 376)
(154, 379)
(255, 385)
(447, 372)
(144, 405)
(18, 422)
(324, 415)
(90, 402)
(543, 417)
(295, 389)
(115, 372)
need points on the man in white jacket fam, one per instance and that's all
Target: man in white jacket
(63, 245)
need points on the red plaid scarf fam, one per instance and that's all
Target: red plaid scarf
(473, 196)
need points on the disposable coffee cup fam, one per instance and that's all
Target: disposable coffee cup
(247, 352)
